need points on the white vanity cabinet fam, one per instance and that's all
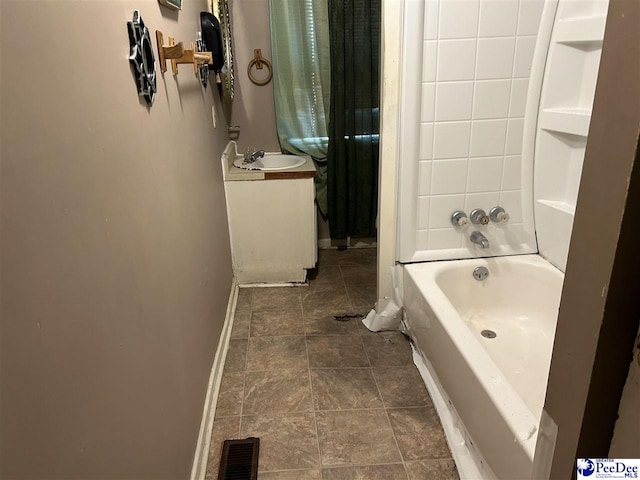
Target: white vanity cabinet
(272, 221)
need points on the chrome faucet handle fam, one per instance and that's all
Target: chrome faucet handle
(247, 154)
(479, 217)
(497, 214)
(459, 219)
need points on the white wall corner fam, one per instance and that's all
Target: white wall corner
(392, 28)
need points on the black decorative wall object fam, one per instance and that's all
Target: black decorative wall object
(203, 69)
(142, 58)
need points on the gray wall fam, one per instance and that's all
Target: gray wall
(254, 110)
(115, 253)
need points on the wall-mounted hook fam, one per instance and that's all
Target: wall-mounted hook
(167, 52)
(194, 57)
(177, 54)
(233, 131)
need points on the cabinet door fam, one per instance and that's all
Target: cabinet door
(273, 229)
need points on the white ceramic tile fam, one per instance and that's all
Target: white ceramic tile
(519, 90)
(488, 138)
(529, 16)
(456, 60)
(485, 174)
(426, 141)
(453, 101)
(491, 99)
(451, 140)
(423, 213)
(495, 58)
(485, 201)
(524, 56)
(511, 172)
(422, 240)
(428, 99)
(511, 201)
(498, 18)
(458, 18)
(431, 19)
(514, 136)
(429, 56)
(445, 238)
(448, 176)
(424, 178)
(441, 208)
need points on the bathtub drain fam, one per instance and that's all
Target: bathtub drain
(481, 273)
(488, 334)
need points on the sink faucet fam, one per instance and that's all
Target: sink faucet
(251, 155)
(479, 239)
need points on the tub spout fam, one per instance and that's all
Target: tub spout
(479, 239)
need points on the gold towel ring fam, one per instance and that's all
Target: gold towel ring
(258, 61)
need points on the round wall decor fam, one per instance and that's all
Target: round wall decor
(142, 58)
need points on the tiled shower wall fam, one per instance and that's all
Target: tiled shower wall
(476, 67)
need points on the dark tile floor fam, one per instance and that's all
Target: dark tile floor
(329, 399)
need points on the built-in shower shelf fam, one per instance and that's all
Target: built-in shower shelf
(565, 120)
(583, 31)
(566, 99)
(558, 220)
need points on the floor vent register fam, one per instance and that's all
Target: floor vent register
(239, 459)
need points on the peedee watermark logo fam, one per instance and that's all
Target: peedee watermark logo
(592, 468)
(586, 467)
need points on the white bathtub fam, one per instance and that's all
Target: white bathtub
(495, 385)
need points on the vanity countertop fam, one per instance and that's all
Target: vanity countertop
(306, 170)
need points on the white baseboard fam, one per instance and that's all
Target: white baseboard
(206, 425)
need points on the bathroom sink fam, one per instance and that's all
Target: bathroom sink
(272, 161)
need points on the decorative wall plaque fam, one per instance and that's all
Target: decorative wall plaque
(142, 58)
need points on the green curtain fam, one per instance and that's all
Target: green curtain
(301, 81)
(354, 126)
